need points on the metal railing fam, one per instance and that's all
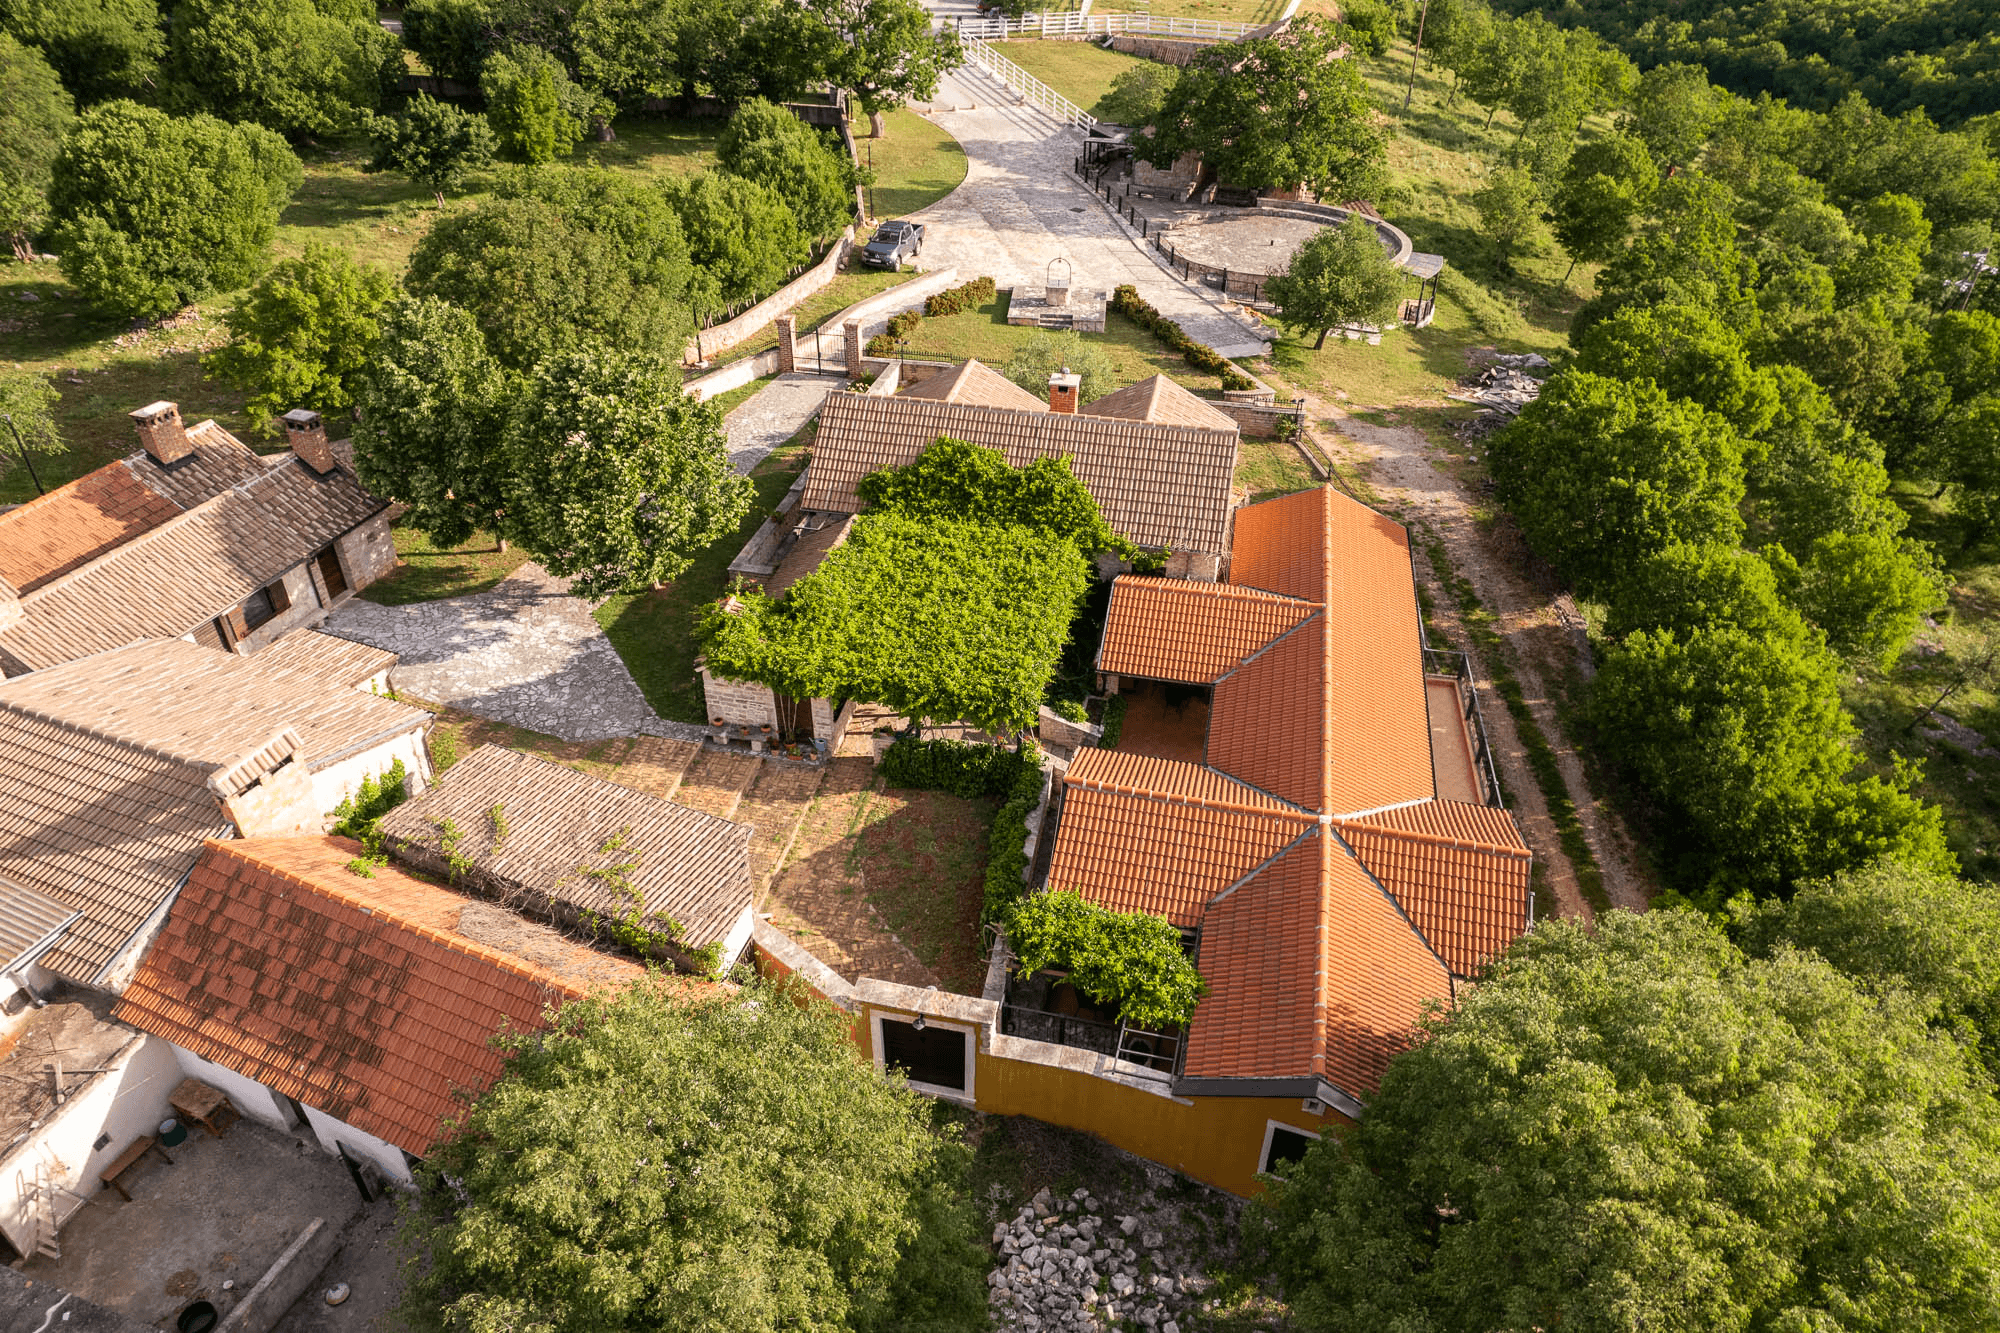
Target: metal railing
(1032, 90)
(1098, 25)
(1157, 1051)
(1445, 662)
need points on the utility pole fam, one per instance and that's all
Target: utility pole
(26, 457)
(1416, 54)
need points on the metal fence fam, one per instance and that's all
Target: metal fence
(1032, 90)
(1442, 662)
(1098, 25)
(1157, 1051)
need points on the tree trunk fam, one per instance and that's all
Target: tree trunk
(602, 128)
(1490, 114)
(876, 129)
(1566, 272)
(1322, 339)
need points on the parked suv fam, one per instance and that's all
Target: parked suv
(893, 245)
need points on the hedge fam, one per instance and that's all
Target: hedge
(1127, 302)
(956, 300)
(979, 770)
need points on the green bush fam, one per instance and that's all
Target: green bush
(1070, 710)
(901, 325)
(1133, 960)
(1007, 852)
(957, 300)
(1127, 302)
(358, 816)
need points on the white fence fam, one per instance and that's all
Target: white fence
(1032, 90)
(1097, 25)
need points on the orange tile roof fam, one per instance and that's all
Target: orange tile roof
(1167, 779)
(1267, 724)
(1470, 899)
(371, 1000)
(1159, 400)
(74, 524)
(973, 382)
(1190, 631)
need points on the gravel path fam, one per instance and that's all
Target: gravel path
(1022, 206)
(525, 653)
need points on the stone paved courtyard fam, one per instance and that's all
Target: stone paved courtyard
(524, 652)
(773, 415)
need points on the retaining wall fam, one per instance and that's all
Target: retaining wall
(710, 342)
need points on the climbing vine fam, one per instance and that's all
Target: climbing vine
(953, 479)
(665, 937)
(1133, 960)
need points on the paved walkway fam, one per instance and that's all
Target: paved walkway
(1022, 206)
(772, 415)
(525, 653)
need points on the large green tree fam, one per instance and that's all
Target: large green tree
(767, 144)
(1274, 112)
(614, 478)
(153, 212)
(1637, 1127)
(288, 65)
(1673, 109)
(742, 237)
(1341, 275)
(304, 334)
(34, 113)
(1689, 352)
(890, 53)
(434, 143)
(1602, 193)
(1047, 352)
(664, 1161)
(1600, 472)
(537, 114)
(101, 48)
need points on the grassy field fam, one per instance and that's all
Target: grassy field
(915, 164)
(984, 334)
(428, 571)
(1223, 11)
(653, 631)
(1080, 71)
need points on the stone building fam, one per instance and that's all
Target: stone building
(192, 536)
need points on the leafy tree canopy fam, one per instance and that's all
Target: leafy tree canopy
(767, 144)
(680, 1160)
(1600, 472)
(1673, 109)
(1682, 588)
(1049, 351)
(1603, 191)
(614, 478)
(542, 278)
(953, 479)
(1274, 112)
(938, 618)
(1868, 590)
(433, 143)
(35, 112)
(1132, 961)
(287, 65)
(303, 335)
(1341, 275)
(742, 237)
(890, 53)
(1139, 93)
(1637, 1126)
(154, 212)
(1687, 255)
(26, 403)
(101, 48)
(1510, 208)
(432, 400)
(451, 36)
(537, 114)
(1688, 352)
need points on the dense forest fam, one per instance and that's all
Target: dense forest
(1942, 56)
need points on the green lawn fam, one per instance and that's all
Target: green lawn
(915, 164)
(1080, 71)
(653, 631)
(984, 334)
(728, 401)
(1223, 11)
(428, 571)
(853, 283)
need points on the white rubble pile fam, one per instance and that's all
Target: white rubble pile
(1502, 389)
(1073, 1264)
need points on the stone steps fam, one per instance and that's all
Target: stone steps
(1057, 322)
(715, 783)
(656, 765)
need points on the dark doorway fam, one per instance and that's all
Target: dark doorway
(208, 635)
(935, 1055)
(1287, 1146)
(330, 571)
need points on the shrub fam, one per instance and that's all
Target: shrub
(1007, 851)
(1234, 379)
(957, 300)
(1131, 959)
(359, 816)
(1070, 710)
(1127, 302)
(1048, 351)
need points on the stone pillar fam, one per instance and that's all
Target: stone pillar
(853, 331)
(788, 351)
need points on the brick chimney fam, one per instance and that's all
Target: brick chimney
(307, 434)
(268, 793)
(1064, 389)
(161, 433)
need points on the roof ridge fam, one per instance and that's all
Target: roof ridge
(1318, 610)
(1434, 839)
(173, 525)
(854, 400)
(1396, 906)
(1287, 811)
(1217, 588)
(617, 787)
(1326, 712)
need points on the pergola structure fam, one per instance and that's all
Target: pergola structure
(1419, 311)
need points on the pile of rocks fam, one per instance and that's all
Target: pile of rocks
(1074, 1264)
(1502, 389)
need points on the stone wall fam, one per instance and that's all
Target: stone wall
(709, 342)
(738, 703)
(368, 552)
(1163, 49)
(734, 375)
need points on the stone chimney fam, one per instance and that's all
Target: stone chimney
(268, 793)
(307, 434)
(10, 606)
(161, 433)
(1064, 389)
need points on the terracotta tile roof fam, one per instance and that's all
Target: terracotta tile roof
(1469, 899)
(326, 657)
(806, 554)
(195, 565)
(1116, 770)
(692, 867)
(972, 382)
(1190, 631)
(104, 768)
(1267, 723)
(1162, 401)
(1159, 486)
(371, 1000)
(220, 463)
(1483, 826)
(70, 526)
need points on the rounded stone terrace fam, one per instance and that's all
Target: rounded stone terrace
(1249, 241)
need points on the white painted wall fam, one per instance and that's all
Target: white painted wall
(384, 1154)
(738, 936)
(336, 782)
(260, 1103)
(127, 1101)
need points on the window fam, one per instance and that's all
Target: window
(936, 1058)
(1283, 1145)
(265, 605)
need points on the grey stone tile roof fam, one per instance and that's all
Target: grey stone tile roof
(558, 824)
(29, 925)
(974, 382)
(326, 657)
(1158, 485)
(164, 582)
(1159, 400)
(104, 768)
